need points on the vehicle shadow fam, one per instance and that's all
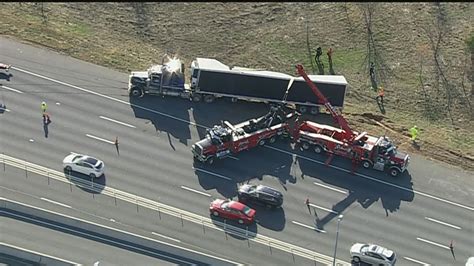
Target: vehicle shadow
(86, 183)
(6, 76)
(169, 116)
(247, 231)
(360, 189)
(273, 219)
(279, 168)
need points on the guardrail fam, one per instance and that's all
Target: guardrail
(166, 209)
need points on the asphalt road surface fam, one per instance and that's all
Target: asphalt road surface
(417, 215)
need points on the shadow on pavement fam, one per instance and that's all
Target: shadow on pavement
(273, 219)
(361, 190)
(162, 113)
(86, 183)
(6, 76)
(251, 228)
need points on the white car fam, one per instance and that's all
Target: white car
(373, 254)
(84, 164)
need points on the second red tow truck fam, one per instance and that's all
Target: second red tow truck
(226, 139)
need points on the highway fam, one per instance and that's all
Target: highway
(417, 215)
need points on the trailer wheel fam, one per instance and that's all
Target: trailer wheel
(314, 110)
(272, 139)
(302, 109)
(318, 149)
(196, 98)
(393, 172)
(135, 92)
(261, 142)
(366, 164)
(209, 98)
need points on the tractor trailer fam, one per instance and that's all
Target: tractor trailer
(211, 79)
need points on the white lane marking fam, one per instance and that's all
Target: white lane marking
(331, 188)
(443, 223)
(106, 239)
(202, 126)
(55, 202)
(101, 139)
(166, 237)
(118, 122)
(417, 261)
(232, 157)
(170, 210)
(12, 89)
(308, 226)
(376, 180)
(211, 173)
(322, 208)
(196, 191)
(6, 110)
(107, 97)
(432, 243)
(38, 253)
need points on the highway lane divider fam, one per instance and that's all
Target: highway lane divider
(205, 127)
(169, 210)
(140, 243)
(30, 255)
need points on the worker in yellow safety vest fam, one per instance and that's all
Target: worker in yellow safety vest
(44, 106)
(414, 133)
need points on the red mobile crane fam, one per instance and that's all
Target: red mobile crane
(377, 153)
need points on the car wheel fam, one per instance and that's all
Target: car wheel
(68, 169)
(272, 139)
(356, 259)
(215, 213)
(261, 142)
(241, 221)
(92, 176)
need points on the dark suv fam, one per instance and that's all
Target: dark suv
(267, 196)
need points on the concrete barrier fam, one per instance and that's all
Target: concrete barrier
(135, 242)
(33, 256)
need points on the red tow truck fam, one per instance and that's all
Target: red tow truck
(372, 152)
(226, 139)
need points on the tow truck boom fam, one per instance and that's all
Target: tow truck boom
(338, 118)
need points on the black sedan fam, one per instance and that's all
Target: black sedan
(260, 194)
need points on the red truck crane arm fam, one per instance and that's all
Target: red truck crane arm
(338, 118)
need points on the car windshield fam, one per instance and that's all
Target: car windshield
(391, 258)
(246, 210)
(99, 166)
(252, 188)
(225, 204)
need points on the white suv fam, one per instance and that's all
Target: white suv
(373, 254)
(84, 164)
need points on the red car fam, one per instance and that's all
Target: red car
(232, 210)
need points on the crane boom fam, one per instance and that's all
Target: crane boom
(338, 118)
